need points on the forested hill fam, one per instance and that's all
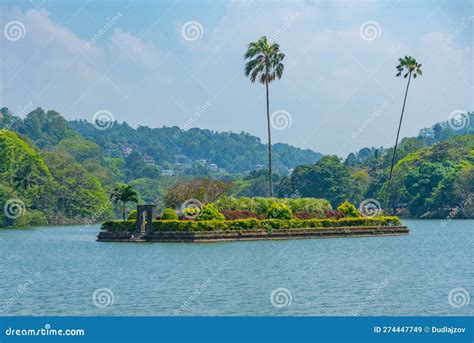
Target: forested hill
(168, 146)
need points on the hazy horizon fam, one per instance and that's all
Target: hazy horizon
(181, 64)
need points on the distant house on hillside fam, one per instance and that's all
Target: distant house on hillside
(126, 150)
(167, 172)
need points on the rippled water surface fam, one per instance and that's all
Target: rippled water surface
(57, 271)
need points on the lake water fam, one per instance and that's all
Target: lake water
(64, 271)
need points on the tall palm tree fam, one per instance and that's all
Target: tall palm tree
(409, 67)
(24, 178)
(265, 65)
(124, 194)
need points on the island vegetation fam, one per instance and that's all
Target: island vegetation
(253, 218)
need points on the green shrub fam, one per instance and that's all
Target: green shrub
(31, 218)
(132, 215)
(261, 206)
(349, 210)
(210, 212)
(279, 211)
(314, 206)
(169, 214)
(251, 224)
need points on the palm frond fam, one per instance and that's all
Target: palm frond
(264, 61)
(410, 66)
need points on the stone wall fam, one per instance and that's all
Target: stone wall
(245, 235)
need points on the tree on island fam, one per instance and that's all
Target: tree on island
(205, 190)
(410, 67)
(124, 194)
(264, 64)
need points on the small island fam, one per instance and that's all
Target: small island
(196, 222)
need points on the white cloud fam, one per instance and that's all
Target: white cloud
(42, 32)
(138, 50)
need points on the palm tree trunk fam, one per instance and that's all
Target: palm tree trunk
(396, 144)
(269, 144)
(123, 210)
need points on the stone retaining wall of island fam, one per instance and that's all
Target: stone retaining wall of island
(250, 235)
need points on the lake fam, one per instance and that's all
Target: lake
(64, 271)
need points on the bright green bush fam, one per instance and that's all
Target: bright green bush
(349, 210)
(132, 215)
(251, 224)
(317, 207)
(169, 214)
(190, 213)
(258, 205)
(210, 212)
(279, 211)
(31, 218)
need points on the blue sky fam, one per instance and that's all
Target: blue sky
(339, 89)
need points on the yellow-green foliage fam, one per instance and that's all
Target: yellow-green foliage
(132, 215)
(279, 211)
(15, 152)
(210, 212)
(169, 214)
(349, 210)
